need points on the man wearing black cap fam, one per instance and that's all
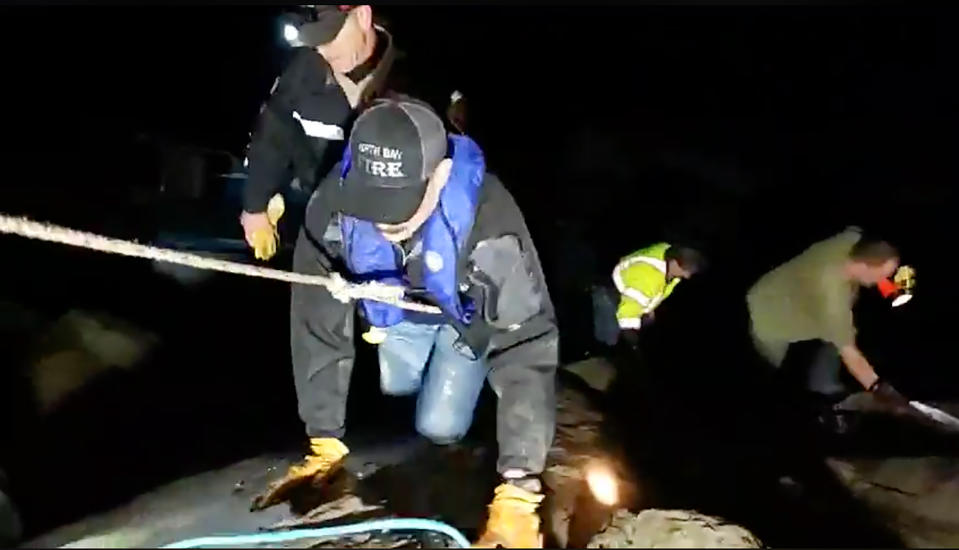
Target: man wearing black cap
(411, 205)
(343, 61)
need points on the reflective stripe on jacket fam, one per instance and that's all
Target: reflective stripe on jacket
(641, 281)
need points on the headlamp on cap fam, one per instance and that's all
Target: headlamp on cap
(900, 288)
(313, 25)
(291, 34)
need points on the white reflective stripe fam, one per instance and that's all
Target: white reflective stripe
(617, 278)
(633, 322)
(627, 291)
(638, 296)
(317, 129)
(633, 293)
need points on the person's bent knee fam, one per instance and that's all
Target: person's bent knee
(399, 389)
(440, 431)
(442, 440)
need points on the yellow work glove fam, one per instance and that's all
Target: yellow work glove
(375, 336)
(513, 519)
(264, 240)
(325, 458)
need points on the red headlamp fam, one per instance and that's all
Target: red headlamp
(900, 287)
(887, 288)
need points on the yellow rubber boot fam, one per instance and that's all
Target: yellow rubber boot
(326, 457)
(513, 519)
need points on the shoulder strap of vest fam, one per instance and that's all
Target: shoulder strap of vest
(660, 265)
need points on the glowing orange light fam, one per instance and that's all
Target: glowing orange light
(602, 483)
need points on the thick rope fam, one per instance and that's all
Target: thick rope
(379, 292)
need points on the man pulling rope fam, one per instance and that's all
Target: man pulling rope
(341, 289)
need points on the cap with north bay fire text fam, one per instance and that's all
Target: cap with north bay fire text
(395, 146)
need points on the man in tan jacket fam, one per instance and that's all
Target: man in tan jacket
(810, 298)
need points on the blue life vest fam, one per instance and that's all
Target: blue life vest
(369, 256)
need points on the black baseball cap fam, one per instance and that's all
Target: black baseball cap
(315, 25)
(395, 146)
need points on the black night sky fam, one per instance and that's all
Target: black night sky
(750, 130)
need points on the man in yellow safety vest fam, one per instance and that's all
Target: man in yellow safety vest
(647, 277)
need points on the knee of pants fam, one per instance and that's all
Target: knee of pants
(444, 410)
(403, 358)
(442, 429)
(398, 386)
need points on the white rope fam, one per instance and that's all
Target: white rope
(340, 288)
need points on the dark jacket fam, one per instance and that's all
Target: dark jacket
(500, 269)
(302, 127)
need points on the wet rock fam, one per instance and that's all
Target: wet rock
(573, 516)
(406, 477)
(597, 372)
(347, 505)
(916, 496)
(672, 529)
(79, 347)
(864, 402)
(195, 506)
(570, 513)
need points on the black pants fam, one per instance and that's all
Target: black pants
(321, 334)
(816, 367)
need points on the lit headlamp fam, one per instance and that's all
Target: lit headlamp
(313, 25)
(900, 288)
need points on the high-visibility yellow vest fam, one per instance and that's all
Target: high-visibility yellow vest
(641, 281)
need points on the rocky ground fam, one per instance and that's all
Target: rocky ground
(144, 399)
(404, 477)
(909, 476)
(915, 496)
(671, 529)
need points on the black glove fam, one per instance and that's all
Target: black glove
(887, 394)
(647, 319)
